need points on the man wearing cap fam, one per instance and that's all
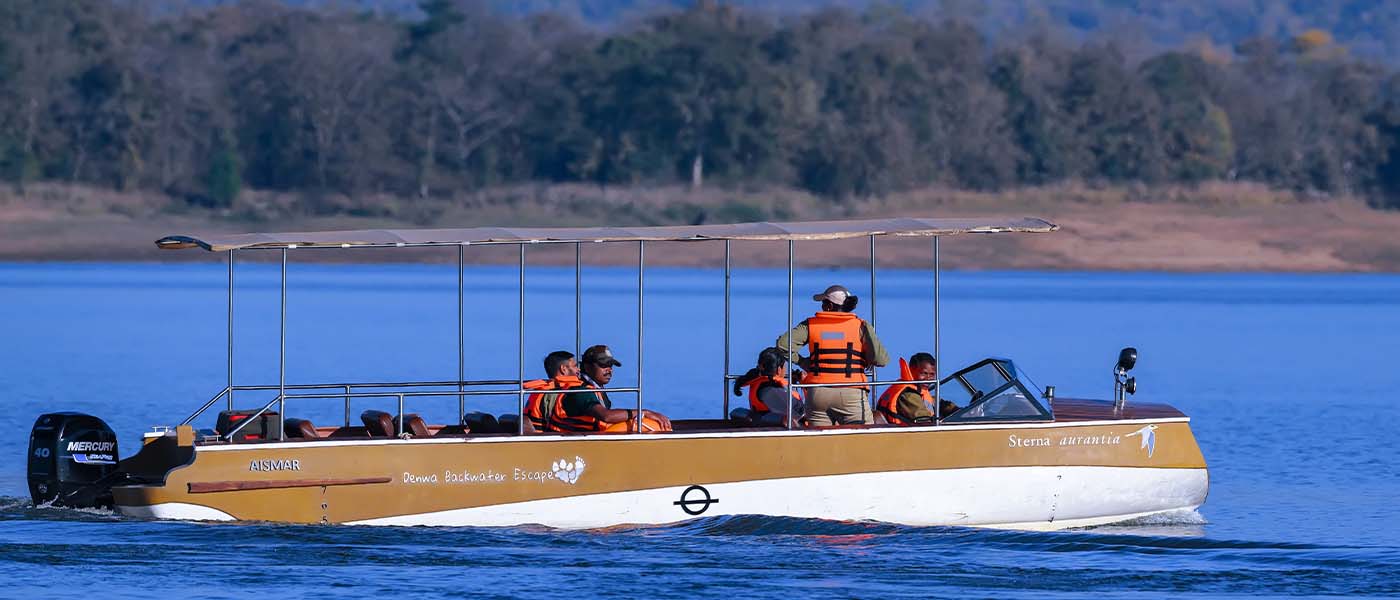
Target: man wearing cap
(840, 348)
(593, 412)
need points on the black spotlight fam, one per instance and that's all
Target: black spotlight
(1127, 359)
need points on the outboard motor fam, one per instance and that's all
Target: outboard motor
(72, 460)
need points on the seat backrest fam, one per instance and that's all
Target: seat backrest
(508, 423)
(741, 417)
(263, 427)
(480, 422)
(412, 425)
(378, 423)
(300, 428)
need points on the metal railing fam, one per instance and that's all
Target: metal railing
(282, 398)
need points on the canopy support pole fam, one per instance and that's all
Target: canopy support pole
(791, 358)
(724, 381)
(874, 370)
(937, 331)
(282, 357)
(461, 333)
(520, 357)
(641, 269)
(578, 303)
(230, 329)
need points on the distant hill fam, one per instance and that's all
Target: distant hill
(1368, 28)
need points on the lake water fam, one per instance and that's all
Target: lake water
(1291, 382)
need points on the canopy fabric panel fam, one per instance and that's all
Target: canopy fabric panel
(799, 231)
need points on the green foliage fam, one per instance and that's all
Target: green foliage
(224, 180)
(837, 103)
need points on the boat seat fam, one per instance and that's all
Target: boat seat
(508, 423)
(264, 427)
(480, 422)
(412, 425)
(741, 417)
(381, 424)
(300, 428)
(378, 423)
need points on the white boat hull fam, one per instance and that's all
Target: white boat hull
(1040, 498)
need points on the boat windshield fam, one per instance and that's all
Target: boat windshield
(990, 390)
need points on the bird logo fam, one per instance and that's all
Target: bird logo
(1149, 438)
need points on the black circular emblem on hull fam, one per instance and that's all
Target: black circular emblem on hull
(695, 500)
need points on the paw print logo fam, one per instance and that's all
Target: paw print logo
(568, 471)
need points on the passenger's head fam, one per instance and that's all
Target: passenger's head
(924, 366)
(559, 363)
(598, 363)
(837, 299)
(771, 361)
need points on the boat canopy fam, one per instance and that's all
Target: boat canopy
(799, 231)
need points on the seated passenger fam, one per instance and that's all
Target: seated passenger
(594, 411)
(912, 403)
(562, 370)
(767, 383)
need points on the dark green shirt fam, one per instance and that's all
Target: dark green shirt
(576, 405)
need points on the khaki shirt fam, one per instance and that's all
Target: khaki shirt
(911, 405)
(874, 354)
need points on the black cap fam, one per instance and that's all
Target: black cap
(600, 355)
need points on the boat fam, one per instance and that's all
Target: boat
(1013, 455)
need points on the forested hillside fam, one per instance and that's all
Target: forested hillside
(259, 95)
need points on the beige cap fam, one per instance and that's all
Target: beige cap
(836, 294)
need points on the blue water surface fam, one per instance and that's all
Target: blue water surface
(1291, 382)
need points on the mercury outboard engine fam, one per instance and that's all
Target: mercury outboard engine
(72, 460)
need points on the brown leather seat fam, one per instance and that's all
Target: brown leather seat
(300, 428)
(413, 425)
(480, 422)
(381, 424)
(508, 423)
(378, 423)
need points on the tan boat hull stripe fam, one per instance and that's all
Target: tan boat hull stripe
(205, 487)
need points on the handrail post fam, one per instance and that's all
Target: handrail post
(347, 406)
(282, 356)
(724, 381)
(641, 269)
(230, 329)
(788, 390)
(400, 434)
(520, 358)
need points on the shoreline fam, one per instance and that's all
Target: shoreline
(1230, 228)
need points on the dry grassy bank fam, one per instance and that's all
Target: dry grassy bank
(1211, 227)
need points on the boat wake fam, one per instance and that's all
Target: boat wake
(14, 508)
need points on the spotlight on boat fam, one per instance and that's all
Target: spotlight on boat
(1127, 359)
(1123, 385)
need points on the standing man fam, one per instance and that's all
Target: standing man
(840, 347)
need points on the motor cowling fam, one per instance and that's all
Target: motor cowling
(72, 460)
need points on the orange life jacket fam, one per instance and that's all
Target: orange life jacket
(836, 347)
(757, 383)
(534, 405)
(560, 420)
(889, 401)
